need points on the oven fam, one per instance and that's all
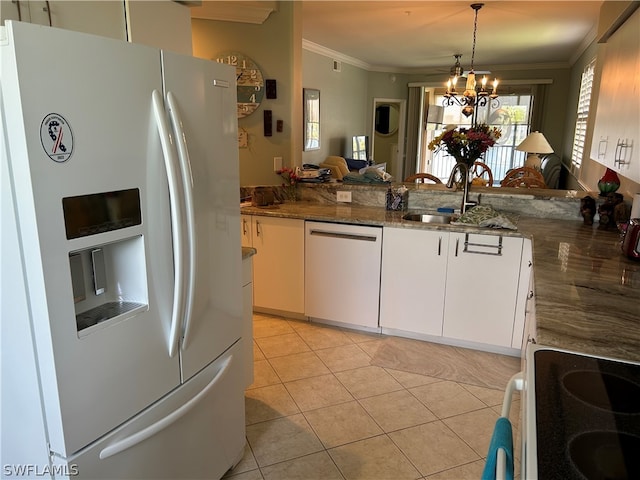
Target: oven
(580, 416)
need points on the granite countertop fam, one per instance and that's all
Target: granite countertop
(587, 293)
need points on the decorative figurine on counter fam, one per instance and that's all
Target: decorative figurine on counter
(588, 209)
(612, 211)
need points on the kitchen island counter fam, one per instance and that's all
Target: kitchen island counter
(586, 292)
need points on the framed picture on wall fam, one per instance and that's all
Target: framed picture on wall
(311, 114)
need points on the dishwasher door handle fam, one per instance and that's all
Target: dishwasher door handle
(348, 236)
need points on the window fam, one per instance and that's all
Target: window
(582, 115)
(511, 113)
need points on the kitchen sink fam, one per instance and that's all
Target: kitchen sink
(428, 218)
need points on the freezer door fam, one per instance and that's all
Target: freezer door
(197, 431)
(89, 181)
(201, 102)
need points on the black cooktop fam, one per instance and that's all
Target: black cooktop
(587, 417)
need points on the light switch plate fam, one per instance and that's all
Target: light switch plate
(277, 163)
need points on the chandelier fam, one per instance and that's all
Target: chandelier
(474, 95)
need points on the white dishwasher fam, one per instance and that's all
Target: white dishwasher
(342, 273)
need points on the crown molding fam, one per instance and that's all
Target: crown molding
(247, 12)
(327, 52)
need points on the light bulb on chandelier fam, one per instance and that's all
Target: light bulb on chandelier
(474, 95)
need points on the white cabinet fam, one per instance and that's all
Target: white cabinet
(414, 272)
(481, 288)
(99, 18)
(161, 24)
(247, 319)
(617, 122)
(342, 273)
(278, 266)
(524, 287)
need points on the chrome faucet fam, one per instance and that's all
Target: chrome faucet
(463, 168)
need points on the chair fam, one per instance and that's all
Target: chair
(422, 178)
(481, 175)
(551, 169)
(524, 177)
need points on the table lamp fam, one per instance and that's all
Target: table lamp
(534, 144)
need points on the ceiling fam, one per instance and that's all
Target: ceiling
(423, 36)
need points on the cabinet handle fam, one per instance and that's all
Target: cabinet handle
(468, 244)
(439, 245)
(257, 228)
(530, 295)
(602, 151)
(244, 226)
(529, 263)
(457, 243)
(348, 236)
(621, 149)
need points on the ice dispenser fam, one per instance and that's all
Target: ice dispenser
(109, 279)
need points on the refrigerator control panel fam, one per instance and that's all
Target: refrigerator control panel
(101, 212)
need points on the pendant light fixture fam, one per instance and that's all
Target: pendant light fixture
(474, 95)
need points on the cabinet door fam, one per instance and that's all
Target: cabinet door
(245, 231)
(617, 124)
(414, 271)
(278, 266)
(106, 18)
(481, 288)
(342, 273)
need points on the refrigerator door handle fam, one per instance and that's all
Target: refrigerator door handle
(170, 163)
(154, 428)
(187, 183)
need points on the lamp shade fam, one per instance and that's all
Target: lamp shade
(535, 143)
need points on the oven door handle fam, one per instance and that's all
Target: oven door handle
(516, 382)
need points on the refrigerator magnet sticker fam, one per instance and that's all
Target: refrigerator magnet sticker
(56, 137)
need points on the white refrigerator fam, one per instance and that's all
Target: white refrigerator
(121, 262)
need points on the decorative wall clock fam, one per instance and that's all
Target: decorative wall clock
(249, 80)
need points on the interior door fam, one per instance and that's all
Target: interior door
(204, 105)
(82, 146)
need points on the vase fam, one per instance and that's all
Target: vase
(291, 192)
(609, 183)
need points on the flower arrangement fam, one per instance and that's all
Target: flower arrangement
(290, 181)
(466, 144)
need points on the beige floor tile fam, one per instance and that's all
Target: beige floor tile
(299, 365)
(323, 337)
(370, 347)
(251, 475)
(317, 466)
(264, 326)
(470, 471)
(446, 399)
(267, 403)
(343, 423)
(396, 410)
(408, 379)
(475, 428)
(344, 357)
(282, 439)
(433, 447)
(368, 381)
(318, 392)
(280, 345)
(362, 337)
(263, 374)
(257, 353)
(375, 458)
(491, 397)
(247, 463)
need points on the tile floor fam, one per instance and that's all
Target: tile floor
(318, 410)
